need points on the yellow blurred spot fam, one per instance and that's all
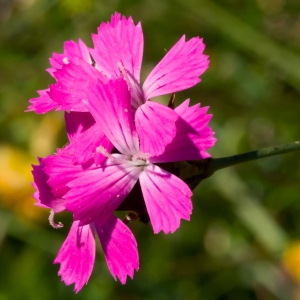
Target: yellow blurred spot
(291, 260)
(43, 139)
(15, 183)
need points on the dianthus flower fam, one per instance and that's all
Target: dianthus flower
(118, 138)
(152, 134)
(77, 254)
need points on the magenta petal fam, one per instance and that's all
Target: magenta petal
(96, 193)
(178, 70)
(119, 248)
(110, 105)
(60, 170)
(167, 198)
(77, 123)
(71, 86)
(119, 41)
(84, 146)
(73, 52)
(43, 103)
(155, 124)
(197, 118)
(77, 256)
(193, 135)
(85, 136)
(43, 194)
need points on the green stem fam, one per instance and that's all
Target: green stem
(224, 162)
(193, 172)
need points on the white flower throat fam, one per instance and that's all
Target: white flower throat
(139, 159)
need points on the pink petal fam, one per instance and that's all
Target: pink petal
(77, 256)
(43, 194)
(155, 124)
(96, 193)
(119, 248)
(43, 103)
(73, 52)
(119, 41)
(71, 86)
(84, 146)
(60, 170)
(85, 136)
(193, 135)
(197, 118)
(178, 70)
(110, 105)
(77, 123)
(167, 198)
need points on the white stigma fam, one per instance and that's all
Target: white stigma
(104, 152)
(52, 222)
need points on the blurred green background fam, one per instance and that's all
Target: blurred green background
(243, 240)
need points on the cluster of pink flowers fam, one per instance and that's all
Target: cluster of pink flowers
(117, 138)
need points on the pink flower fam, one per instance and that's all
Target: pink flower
(118, 48)
(117, 139)
(77, 254)
(152, 134)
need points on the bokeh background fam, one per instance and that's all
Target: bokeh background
(243, 240)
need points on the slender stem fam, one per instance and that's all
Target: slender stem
(194, 172)
(224, 162)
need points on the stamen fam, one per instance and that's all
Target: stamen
(52, 222)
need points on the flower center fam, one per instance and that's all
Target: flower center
(139, 159)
